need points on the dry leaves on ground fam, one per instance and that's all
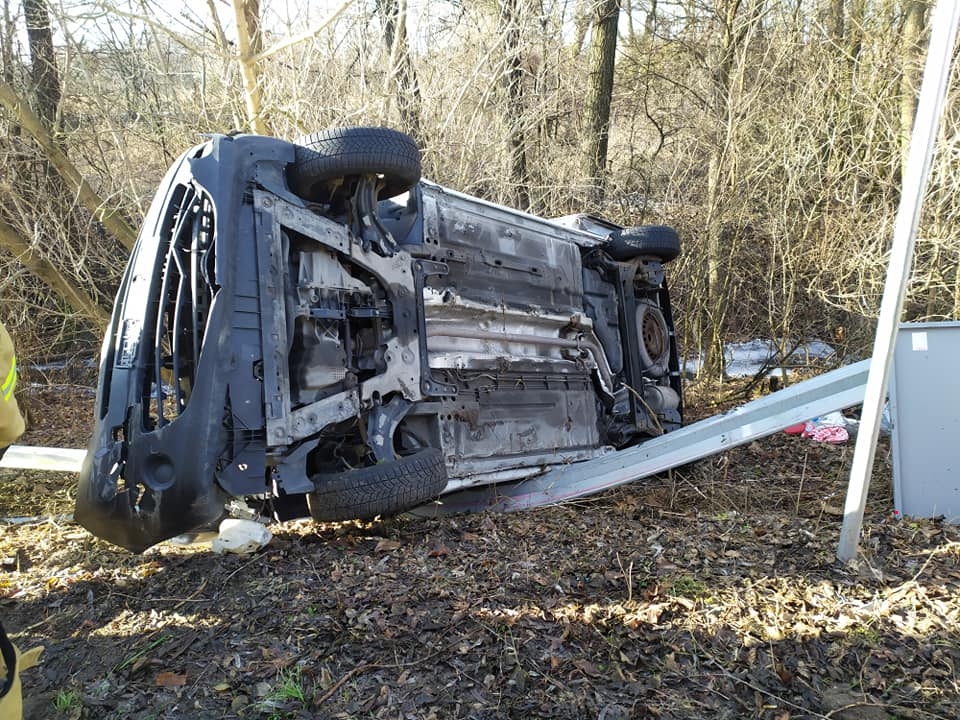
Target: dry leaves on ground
(712, 592)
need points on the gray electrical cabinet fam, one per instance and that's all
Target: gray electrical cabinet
(925, 410)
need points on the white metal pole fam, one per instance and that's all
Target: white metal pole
(936, 75)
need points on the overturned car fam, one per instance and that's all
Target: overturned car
(311, 327)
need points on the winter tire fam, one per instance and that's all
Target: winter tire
(660, 241)
(385, 489)
(349, 152)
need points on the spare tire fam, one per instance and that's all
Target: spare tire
(352, 152)
(385, 489)
(654, 335)
(659, 241)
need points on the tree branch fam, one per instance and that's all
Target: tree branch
(35, 263)
(110, 218)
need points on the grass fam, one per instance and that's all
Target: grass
(66, 700)
(290, 686)
(688, 587)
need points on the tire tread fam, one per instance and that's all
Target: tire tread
(342, 152)
(660, 241)
(385, 489)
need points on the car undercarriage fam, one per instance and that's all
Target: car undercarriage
(314, 329)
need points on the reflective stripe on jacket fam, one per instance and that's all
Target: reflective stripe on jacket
(11, 423)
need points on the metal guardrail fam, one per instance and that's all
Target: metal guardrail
(825, 393)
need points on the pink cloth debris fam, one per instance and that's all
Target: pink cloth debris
(833, 434)
(830, 428)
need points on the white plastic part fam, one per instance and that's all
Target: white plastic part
(240, 537)
(28, 457)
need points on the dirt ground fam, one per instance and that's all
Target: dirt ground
(713, 592)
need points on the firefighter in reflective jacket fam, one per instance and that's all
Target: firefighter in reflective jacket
(12, 661)
(11, 423)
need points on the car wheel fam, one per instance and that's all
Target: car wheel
(654, 343)
(325, 157)
(385, 489)
(660, 241)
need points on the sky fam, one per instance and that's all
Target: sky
(92, 21)
(86, 19)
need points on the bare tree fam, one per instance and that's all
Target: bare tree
(581, 24)
(7, 41)
(914, 21)
(402, 76)
(29, 256)
(603, 49)
(772, 134)
(510, 23)
(836, 12)
(737, 20)
(110, 217)
(249, 46)
(43, 64)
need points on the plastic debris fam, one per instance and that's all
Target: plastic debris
(831, 428)
(746, 359)
(886, 420)
(240, 536)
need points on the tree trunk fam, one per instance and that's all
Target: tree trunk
(650, 21)
(402, 76)
(722, 102)
(603, 48)
(714, 361)
(914, 17)
(853, 30)
(43, 67)
(510, 23)
(249, 45)
(736, 25)
(8, 39)
(836, 13)
(581, 23)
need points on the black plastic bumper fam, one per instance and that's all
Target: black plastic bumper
(158, 457)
